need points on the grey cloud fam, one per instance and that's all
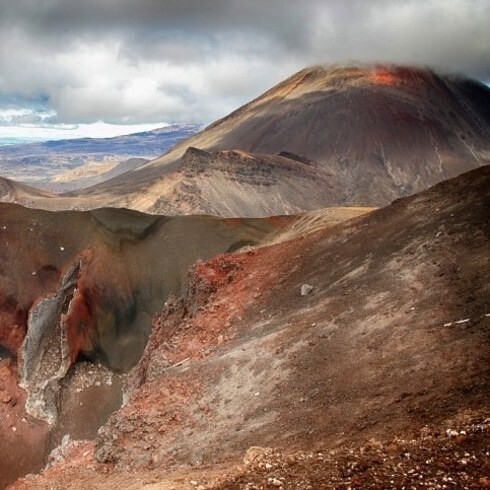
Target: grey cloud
(150, 19)
(31, 119)
(194, 60)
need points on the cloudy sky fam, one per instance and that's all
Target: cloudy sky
(68, 64)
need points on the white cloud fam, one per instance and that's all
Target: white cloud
(155, 60)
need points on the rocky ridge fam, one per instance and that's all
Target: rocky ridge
(377, 375)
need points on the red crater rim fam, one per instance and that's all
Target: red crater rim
(391, 76)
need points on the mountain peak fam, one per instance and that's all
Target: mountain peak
(370, 134)
(327, 77)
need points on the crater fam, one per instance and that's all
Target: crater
(75, 328)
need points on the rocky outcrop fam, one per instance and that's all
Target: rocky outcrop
(247, 168)
(205, 279)
(224, 182)
(391, 338)
(11, 191)
(48, 351)
(90, 286)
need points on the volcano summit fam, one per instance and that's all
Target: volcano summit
(338, 136)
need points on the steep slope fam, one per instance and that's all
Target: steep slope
(389, 342)
(15, 192)
(77, 295)
(353, 135)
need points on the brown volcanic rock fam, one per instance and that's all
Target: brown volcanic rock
(368, 135)
(112, 256)
(392, 338)
(11, 191)
(84, 286)
(229, 182)
(394, 335)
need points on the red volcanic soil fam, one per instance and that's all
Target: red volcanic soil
(393, 75)
(377, 377)
(23, 439)
(384, 77)
(78, 291)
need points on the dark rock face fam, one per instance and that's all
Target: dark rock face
(46, 352)
(247, 167)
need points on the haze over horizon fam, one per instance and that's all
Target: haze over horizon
(31, 133)
(102, 68)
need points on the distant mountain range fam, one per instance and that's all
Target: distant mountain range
(50, 164)
(21, 140)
